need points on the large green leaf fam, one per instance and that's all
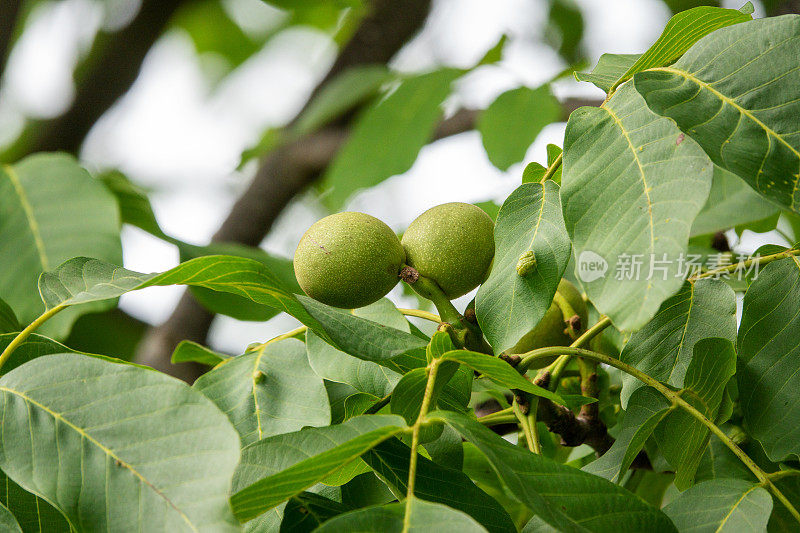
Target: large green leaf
(609, 68)
(663, 348)
(32, 513)
(646, 408)
(680, 33)
(511, 123)
(734, 92)
(82, 279)
(387, 137)
(731, 202)
(769, 358)
(268, 391)
(364, 376)
(437, 483)
(508, 304)
(274, 469)
(51, 209)
(721, 506)
(631, 188)
(682, 438)
(392, 518)
(563, 497)
(106, 443)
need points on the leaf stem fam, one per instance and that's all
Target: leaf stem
(552, 168)
(675, 398)
(421, 314)
(433, 368)
(502, 417)
(761, 260)
(523, 423)
(25, 333)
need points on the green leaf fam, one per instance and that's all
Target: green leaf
(563, 497)
(720, 462)
(122, 436)
(275, 469)
(508, 304)
(8, 320)
(8, 522)
(682, 438)
(565, 29)
(663, 348)
(646, 408)
(533, 173)
(134, 206)
(222, 38)
(341, 94)
(511, 123)
(608, 70)
(38, 345)
(82, 279)
(630, 192)
(365, 376)
(721, 506)
(33, 514)
(422, 517)
(553, 151)
(439, 484)
(500, 372)
(734, 93)
(407, 397)
(268, 391)
(191, 352)
(238, 307)
(306, 511)
(51, 209)
(731, 202)
(387, 137)
(368, 340)
(769, 358)
(681, 32)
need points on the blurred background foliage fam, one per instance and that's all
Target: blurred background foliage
(240, 122)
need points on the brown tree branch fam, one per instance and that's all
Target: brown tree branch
(111, 68)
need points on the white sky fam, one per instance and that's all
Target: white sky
(181, 136)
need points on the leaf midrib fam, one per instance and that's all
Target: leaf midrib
(105, 450)
(734, 507)
(27, 208)
(704, 85)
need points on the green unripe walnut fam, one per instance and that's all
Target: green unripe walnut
(348, 260)
(551, 329)
(453, 245)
